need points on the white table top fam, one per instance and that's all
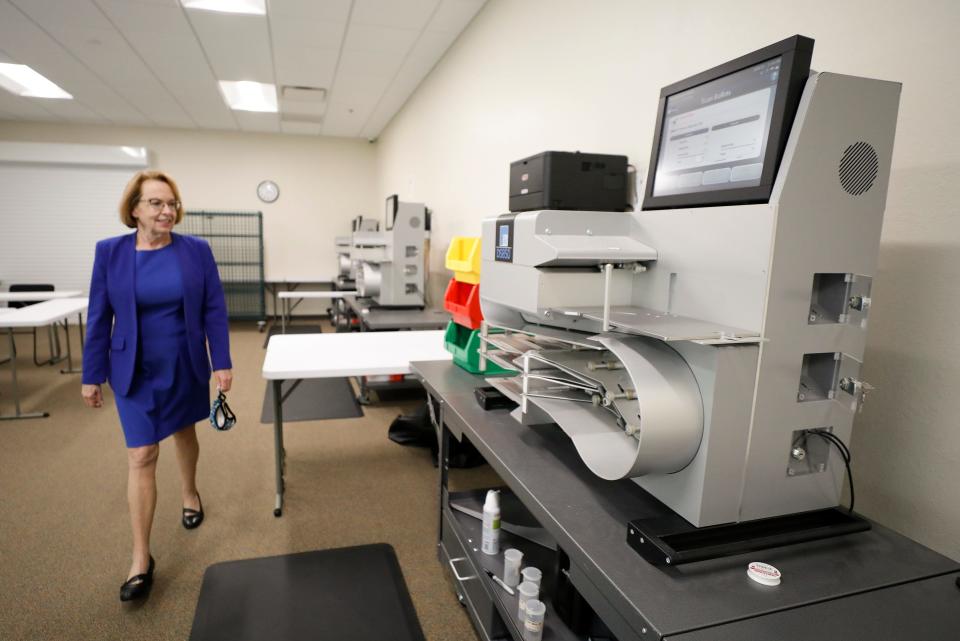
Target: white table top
(308, 294)
(45, 313)
(350, 354)
(309, 280)
(39, 296)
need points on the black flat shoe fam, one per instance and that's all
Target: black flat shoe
(193, 518)
(137, 587)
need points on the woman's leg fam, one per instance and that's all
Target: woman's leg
(142, 498)
(188, 451)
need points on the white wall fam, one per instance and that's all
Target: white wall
(533, 75)
(324, 183)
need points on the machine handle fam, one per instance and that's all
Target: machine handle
(457, 574)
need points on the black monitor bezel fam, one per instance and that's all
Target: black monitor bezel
(795, 53)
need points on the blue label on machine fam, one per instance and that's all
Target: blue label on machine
(503, 252)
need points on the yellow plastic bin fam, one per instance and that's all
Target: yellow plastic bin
(463, 259)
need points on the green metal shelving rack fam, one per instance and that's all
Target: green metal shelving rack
(236, 238)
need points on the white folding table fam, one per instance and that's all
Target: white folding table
(32, 297)
(273, 286)
(37, 297)
(47, 313)
(300, 356)
(287, 308)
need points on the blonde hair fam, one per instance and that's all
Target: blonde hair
(132, 193)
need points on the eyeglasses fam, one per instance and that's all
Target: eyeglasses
(157, 205)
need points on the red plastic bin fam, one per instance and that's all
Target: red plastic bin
(462, 300)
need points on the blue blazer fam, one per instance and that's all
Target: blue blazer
(110, 351)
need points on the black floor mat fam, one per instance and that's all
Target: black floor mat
(292, 329)
(314, 399)
(355, 593)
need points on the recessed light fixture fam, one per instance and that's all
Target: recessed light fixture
(246, 95)
(24, 81)
(248, 7)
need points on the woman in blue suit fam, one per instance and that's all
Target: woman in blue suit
(156, 303)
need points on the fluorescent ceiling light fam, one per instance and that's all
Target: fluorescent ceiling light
(24, 81)
(246, 95)
(249, 7)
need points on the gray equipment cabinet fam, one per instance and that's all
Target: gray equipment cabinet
(874, 585)
(236, 239)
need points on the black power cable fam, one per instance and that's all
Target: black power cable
(829, 437)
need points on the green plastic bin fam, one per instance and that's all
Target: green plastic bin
(464, 344)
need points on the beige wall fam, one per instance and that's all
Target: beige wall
(533, 75)
(324, 183)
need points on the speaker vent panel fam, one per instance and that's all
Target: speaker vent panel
(858, 168)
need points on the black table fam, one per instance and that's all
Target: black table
(831, 589)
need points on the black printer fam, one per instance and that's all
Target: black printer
(569, 180)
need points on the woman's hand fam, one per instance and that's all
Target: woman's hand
(92, 395)
(224, 379)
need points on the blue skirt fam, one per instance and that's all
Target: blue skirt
(165, 395)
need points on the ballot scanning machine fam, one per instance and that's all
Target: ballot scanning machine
(390, 263)
(709, 346)
(346, 265)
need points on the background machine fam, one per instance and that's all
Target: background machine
(709, 346)
(391, 263)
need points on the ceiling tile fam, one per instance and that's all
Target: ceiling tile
(297, 32)
(369, 63)
(409, 14)
(302, 111)
(27, 44)
(344, 119)
(63, 13)
(120, 66)
(381, 39)
(237, 46)
(79, 112)
(263, 122)
(454, 15)
(138, 21)
(182, 68)
(302, 128)
(330, 10)
(26, 108)
(305, 66)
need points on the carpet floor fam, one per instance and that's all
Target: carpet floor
(65, 533)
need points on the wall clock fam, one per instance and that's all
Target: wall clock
(268, 191)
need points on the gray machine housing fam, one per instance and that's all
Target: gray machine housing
(766, 304)
(346, 265)
(390, 264)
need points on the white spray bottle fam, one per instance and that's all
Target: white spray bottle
(490, 539)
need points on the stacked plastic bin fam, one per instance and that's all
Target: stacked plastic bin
(462, 300)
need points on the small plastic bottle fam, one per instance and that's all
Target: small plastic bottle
(533, 575)
(490, 538)
(525, 592)
(533, 621)
(511, 567)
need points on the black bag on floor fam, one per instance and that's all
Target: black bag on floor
(416, 430)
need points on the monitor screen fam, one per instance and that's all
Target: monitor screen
(720, 134)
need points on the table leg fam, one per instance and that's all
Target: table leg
(279, 453)
(16, 387)
(70, 369)
(80, 325)
(283, 315)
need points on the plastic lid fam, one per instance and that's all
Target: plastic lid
(532, 574)
(528, 589)
(535, 608)
(513, 554)
(493, 500)
(763, 573)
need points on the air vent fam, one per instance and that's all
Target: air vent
(858, 168)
